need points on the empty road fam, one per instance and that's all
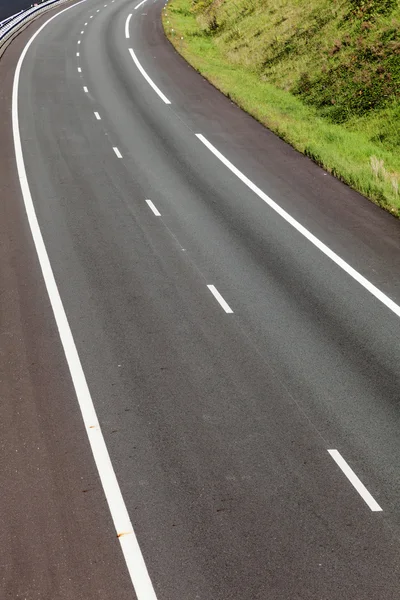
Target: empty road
(200, 337)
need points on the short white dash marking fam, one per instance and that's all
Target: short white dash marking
(85, 24)
(85, 89)
(147, 78)
(79, 41)
(98, 117)
(354, 480)
(153, 208)
(128, 20)
(220, 299)
(301, 229)
(79, 70)
(91, 16)
(98, 10)
(82, 32)
(77, 53)
(140, 4)
(117, 152)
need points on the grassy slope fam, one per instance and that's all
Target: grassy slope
(323, 74)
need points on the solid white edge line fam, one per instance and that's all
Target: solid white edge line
(307, 234)
(153, 208)
(147, 78)
(220, 299)
(355, 481)
(128, 20)
(98, 117)
(117, 152)
(139, 5)
(123, 526)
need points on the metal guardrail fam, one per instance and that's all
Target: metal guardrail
(12, 24)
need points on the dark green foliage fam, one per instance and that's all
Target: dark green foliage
(366, 9)
(368, 78)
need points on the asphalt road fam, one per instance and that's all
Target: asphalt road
(218, 423)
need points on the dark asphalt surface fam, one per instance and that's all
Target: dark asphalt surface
(217, 424)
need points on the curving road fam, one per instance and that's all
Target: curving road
(242, 356)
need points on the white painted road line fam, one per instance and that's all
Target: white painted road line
(79, 41)
(139, 5)
(82, 32)
(98, 117)
(220, 299)
(85, 89)
(354, 480)
(77, 53)
(85, 24)
(307, 234)
(128, 20)
(79, 70)
(153, 208)
(117, 152)
(129, 544)
(147, 78)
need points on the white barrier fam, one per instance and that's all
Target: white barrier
(10, 25)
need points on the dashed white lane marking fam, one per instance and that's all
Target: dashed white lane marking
(77, 53)
(98, 10)
(354, 480)
(140, 4)
(91, 16)
(82, 32)
(117, 152)
(153, 208)
(147, 78)
(98, 117)
(128, 20)
(307, 234)
(122, 523)
(220, 299)
(85, 89)
(85, 24)
(79, 70)
(79, 41)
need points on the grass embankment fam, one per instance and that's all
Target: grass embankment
(322, 74)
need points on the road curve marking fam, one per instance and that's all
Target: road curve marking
(128, 20)
(355, 481)
(301, 229)
(147, 78)
(140, 4)
(129, 544)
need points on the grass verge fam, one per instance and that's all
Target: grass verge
(354, 151)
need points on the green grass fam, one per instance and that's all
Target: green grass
(321, 74)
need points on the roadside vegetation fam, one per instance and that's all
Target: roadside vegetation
(322, 74)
